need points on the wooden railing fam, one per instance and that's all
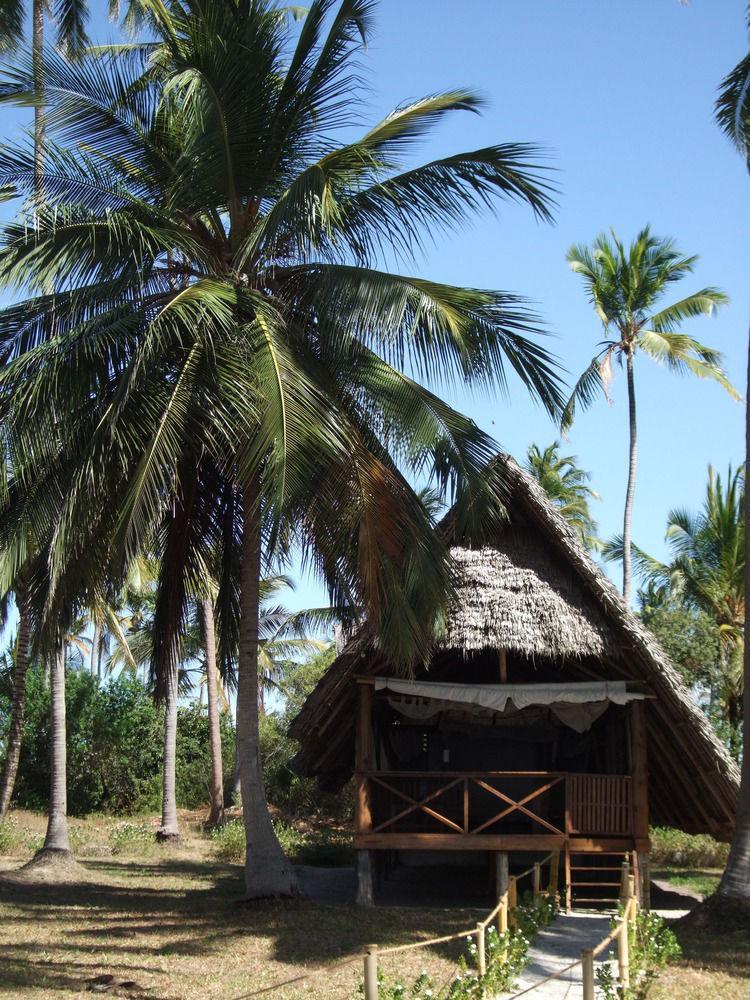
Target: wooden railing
(471, 803)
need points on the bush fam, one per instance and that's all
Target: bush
(651, 946)
(8, 837)
(228, 841)
(193, 761)
(673, 847)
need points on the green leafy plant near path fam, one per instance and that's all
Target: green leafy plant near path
(505, 957)
(652, 945)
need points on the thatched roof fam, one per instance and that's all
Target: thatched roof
(537, 592)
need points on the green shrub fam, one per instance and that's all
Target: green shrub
(673, 847)
(651, 946)
(228, 841)
(8, 837)
(193, 759)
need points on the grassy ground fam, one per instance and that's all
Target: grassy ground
(168, 919)
(702, 881)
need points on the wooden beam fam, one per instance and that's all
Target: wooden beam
(502, 655)
(364, 757)
(365, 891)
(639, 767)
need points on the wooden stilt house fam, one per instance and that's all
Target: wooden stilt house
(547, 719)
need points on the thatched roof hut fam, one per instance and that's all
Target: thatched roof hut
(537, 594)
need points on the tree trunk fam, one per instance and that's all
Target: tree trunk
(37, 59)
(627, 527)
(95, 643)
(169, 829)
(267, 871)
(57, 821)
(735, 883)
(216, 816)
(13, 750)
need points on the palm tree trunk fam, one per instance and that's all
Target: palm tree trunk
(13, 750)
(37, 58)
(216, 816)
(735, 883)
(95, 643)
(627, 526)
(169, 829)
(267, 871)
(57, 821)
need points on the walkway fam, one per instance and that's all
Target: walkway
(557, 946)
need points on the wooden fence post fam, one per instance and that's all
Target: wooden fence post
(554, 873)
(502, 914)
(537, 881)
(625, 882)
(587, 961)
(623, 951)
(371, 972)
(481, 959)
(512, 902)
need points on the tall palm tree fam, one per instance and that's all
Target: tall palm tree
(231, 343)
(567, 487)
(69, 18)
(733, 117)
(624, 286)
(706, 572)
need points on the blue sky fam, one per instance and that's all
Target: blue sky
(621, 93)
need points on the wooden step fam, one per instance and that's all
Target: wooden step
(593, 868)
(595, 885)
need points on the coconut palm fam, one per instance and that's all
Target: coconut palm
(567, 487)
(733, 117)
(706, 572)
(68, 19)
(231, 344)
(624, 286)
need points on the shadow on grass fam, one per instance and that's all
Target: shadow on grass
(135, 911)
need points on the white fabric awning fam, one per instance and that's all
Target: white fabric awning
(576, 705)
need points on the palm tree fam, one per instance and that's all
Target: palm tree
(70, 36)
(706, 572)
(567, 487)
(231, 345)
(624, 286)
(733, 117)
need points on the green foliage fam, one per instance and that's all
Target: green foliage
(689, 637)
(673, 847)
(193, 760)
(567, 487)
(228, 841)
(324, 847)
(7, 837)
(114, 747)
(652, 945)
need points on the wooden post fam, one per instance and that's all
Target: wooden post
(502, 915)
(371, 972)
(364, 756)
(623, 951)
(537, 881)
(502, 656)
(568, 883)
(554, 874)
(587, 961)
(625, 882)
(632, 899)
(639, 784)
(365, 892)
(512, 902)
(481, 960)
(502, 873)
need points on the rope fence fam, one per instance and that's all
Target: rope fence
(504, 913)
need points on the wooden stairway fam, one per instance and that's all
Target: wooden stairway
(594, 878)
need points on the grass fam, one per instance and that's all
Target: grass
(702, 881)
(715, 965)
(168, 917)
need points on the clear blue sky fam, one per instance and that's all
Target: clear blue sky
(621, 92)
